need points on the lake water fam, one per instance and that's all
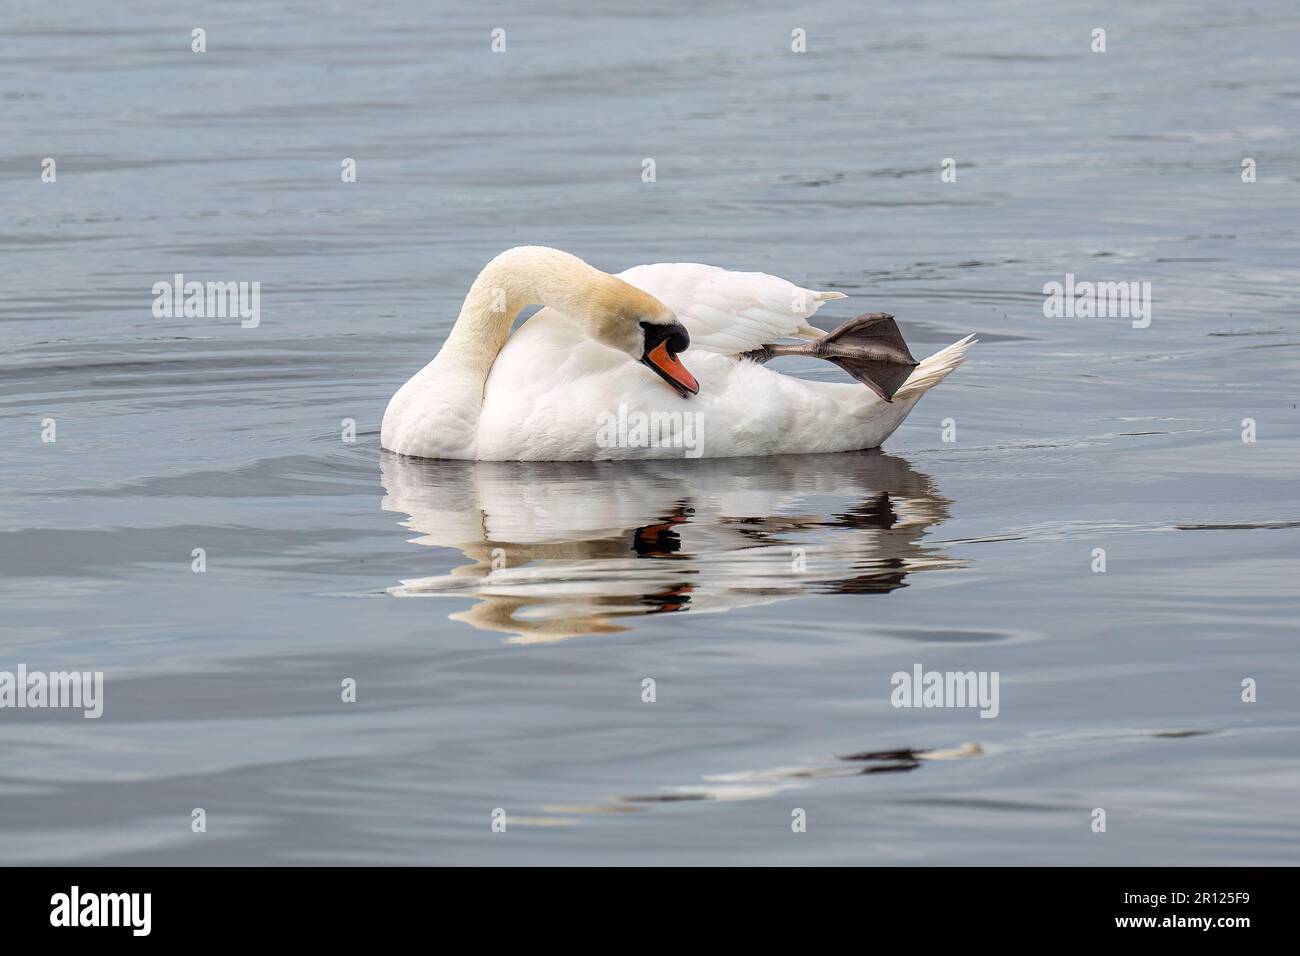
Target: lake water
(522, 689)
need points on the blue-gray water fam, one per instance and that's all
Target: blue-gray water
(1119, 690)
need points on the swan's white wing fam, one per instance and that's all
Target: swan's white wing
(730, 312)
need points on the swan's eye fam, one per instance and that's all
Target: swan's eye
(674, 333)
(663, 342)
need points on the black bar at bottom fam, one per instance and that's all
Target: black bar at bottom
(331, 906)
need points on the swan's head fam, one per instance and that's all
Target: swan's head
(639, 325)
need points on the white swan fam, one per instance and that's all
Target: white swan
(607, 346)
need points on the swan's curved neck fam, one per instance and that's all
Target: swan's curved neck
(450, 389)
(527, 275)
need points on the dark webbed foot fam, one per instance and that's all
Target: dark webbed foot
(870, 348)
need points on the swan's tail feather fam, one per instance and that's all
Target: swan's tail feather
(934, 369)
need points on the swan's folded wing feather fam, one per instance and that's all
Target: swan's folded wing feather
(730, 312)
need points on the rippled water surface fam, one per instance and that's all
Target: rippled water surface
(499, 620)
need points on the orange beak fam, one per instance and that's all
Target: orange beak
(671, 370)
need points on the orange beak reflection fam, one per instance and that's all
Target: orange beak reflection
(668, 367)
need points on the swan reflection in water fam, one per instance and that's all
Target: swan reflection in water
(563, 549)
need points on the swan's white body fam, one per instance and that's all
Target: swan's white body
(543, 393)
